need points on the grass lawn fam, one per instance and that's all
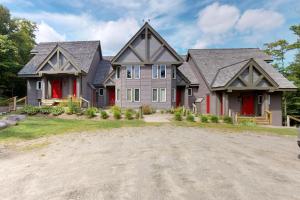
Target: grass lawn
(240, 128)
(35, 127)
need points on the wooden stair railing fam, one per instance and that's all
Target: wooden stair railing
(82, 100)
(288, 119)
(268, 115)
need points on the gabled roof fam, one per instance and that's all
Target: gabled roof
(81, 52)
(188, 72)
(104, 69)
(219, 66)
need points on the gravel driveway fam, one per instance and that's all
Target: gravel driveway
(153, 163)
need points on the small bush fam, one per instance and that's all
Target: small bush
(57, 110)
(104, 114)
(162, 111)
(204, 119)
(178, 109)
(73, 107)
(227, 120)
(178, 116)
(214, 119)
(30, 110)
(190, 118)
(147, 110)
(117, 114)
(129, 114)
(91, 112)
(115, 108)
(137, 115)
(46, 110)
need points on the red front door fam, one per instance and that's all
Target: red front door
(111, 96)
(178, 97)
(56, 89)
(248, 105)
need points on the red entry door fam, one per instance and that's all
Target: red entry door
(56, 89)
(178, 97)
(111, 96)
(248, 105)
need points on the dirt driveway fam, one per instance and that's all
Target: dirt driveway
(153, 163)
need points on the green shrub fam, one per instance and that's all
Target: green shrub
(57, 110)
(178, 116)
(178, 109)
(115, 108)
(162, 111)
(190, 118)
(247, 122)
(204, 119)
(137, 115)
(214, 119)
(104, 114)
(46, 110)
(129, 114)
(91, 112)
(73, 107)
(30, 110)
(117, 114)
(147, 110)
(227, 120)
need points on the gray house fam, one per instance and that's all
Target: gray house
(148, 71)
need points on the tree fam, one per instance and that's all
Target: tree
(16, 41)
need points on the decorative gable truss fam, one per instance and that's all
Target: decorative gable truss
(251, 77)
(147, 47)
(59, 62)
(109, 80)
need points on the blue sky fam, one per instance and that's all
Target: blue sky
(183, 23)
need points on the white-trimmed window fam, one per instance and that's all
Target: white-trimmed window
(38, 85)
(259, 99)
(136, 97)
(154, 94)
(173, 72)
(118, 94)
(129, 94)
(162, 95)
(129, 72)
(117, 72)
(173, 94)
(101, 91)
(162, 71)
(190, 92)
(154, 71)
(137, 71)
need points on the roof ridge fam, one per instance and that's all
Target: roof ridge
(225, 48)
(76, 41)
(234, 63)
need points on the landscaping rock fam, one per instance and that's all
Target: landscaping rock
(10, 122)
(3, 124)
(15, 117)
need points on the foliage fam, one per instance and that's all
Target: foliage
(147, 110)
(115, 108)
(214, 119)
(57, 110)
(178, 116)
(45, 110)
(247, 123)
(190, 118)
(227, 120)
(117, 114)
(30, 110)
(129, 114)
(204, 119)
(16, 41)
(73, 107)
(91, 112)
(137, 115)
(104, 114)
(178, 109)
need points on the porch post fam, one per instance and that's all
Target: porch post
(186, 98)
(49, 89)
(44, 87)
(78, 86)
(225, 104)
(70, 87)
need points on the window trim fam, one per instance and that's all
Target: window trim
(134, 74)
(260, 99)
(160, 67)
(118, 97)
(160, 99)
(156, 94)
(129, 66)
(174, 95)
(139, 94)
(38, 85)
(174, 72)
(157, 75)
(190, 94)
(118, 70)
(129, 95)
(100, 92)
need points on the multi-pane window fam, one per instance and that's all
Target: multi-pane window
(162, 69)
(39, 85)
(117, 72)
(173, 72)
(136, 95)
(154, 71)
(162, 95)
(173, 94)
(101, 91)
(118, 95)
(190, 92)
(129, 94)
(137, 71)
(129, 72)
(154, 95)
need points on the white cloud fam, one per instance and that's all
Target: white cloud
(46, 33)
(216, 18)
(259, 20)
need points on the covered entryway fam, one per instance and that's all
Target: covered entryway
(111, 95)
(247, 105)
(56, 89)
(179, 96)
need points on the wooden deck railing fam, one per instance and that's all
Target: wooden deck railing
(83, 100)
(289, 118)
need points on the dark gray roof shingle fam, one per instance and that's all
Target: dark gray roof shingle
(82, 53)
(103, 70)
(188, 72)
